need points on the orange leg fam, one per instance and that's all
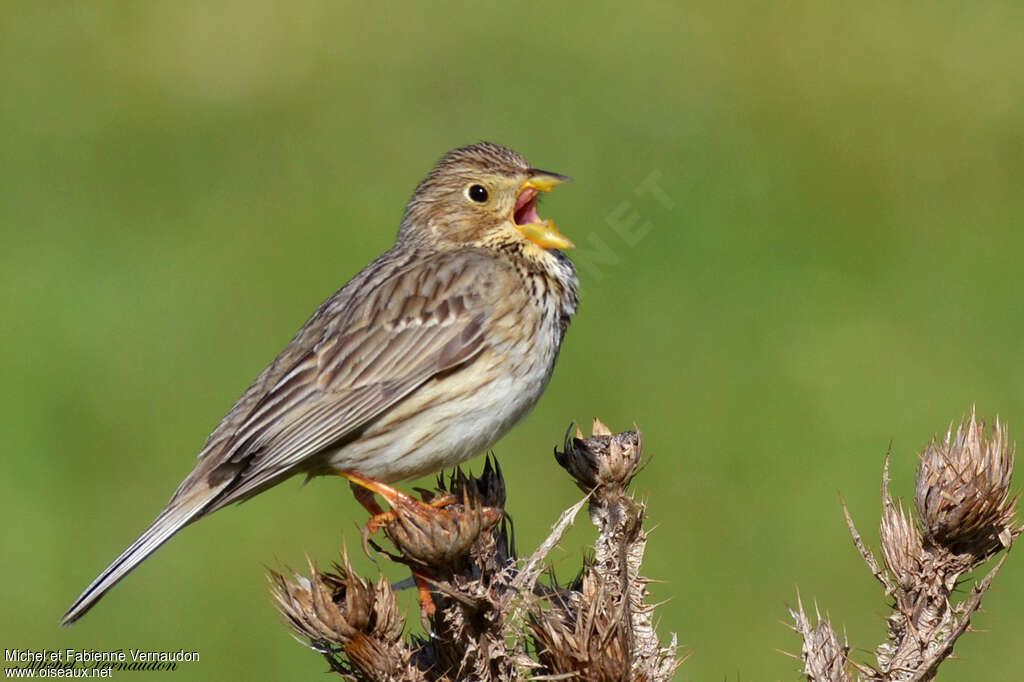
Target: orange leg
(364, 488)
(426, 601)
(364, 496)
(372, 485)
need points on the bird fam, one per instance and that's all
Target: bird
(424, 359)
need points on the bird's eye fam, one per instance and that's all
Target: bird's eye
(478, 193)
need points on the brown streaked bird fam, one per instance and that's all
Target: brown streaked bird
(423, 360)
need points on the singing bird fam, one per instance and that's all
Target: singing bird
(421, 361)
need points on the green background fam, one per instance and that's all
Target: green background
(837, 267)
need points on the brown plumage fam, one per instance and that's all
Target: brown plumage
(424, 359)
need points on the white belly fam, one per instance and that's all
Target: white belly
(442, 424)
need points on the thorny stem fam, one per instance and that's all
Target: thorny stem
(966, 515)
(491, 618)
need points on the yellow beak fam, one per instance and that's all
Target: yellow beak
(543, 233)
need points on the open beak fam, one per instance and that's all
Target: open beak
(541, 232)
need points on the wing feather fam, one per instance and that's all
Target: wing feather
(333, 383)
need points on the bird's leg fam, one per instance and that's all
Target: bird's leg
(427, 607)
(364, 496)
(364, 488)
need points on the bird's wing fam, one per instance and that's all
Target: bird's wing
(376, 344)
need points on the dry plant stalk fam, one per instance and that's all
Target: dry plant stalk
(488, 615)
(966, 515)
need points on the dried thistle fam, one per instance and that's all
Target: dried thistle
(438, 537)
(354, 623)
(967, 515)
(963, 490)
(824, 656)
(461, 559)
(962, 494)
(605, 461)
(603, 628)
(579, 637)
(485, 611)
(902, 547)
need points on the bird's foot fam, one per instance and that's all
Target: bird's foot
(364, 489)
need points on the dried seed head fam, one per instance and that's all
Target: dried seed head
(583, 636)
(901, 543)
(602, 461)
(439, 537)
(825, 657)
(487, 489)
(340, 613)
(963, 490)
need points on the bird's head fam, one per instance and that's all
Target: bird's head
(483, 195)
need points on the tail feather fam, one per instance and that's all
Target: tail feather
(177, 515)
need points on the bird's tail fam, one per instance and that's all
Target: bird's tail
(178, 514)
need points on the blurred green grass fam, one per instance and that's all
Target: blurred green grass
(182, 183)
